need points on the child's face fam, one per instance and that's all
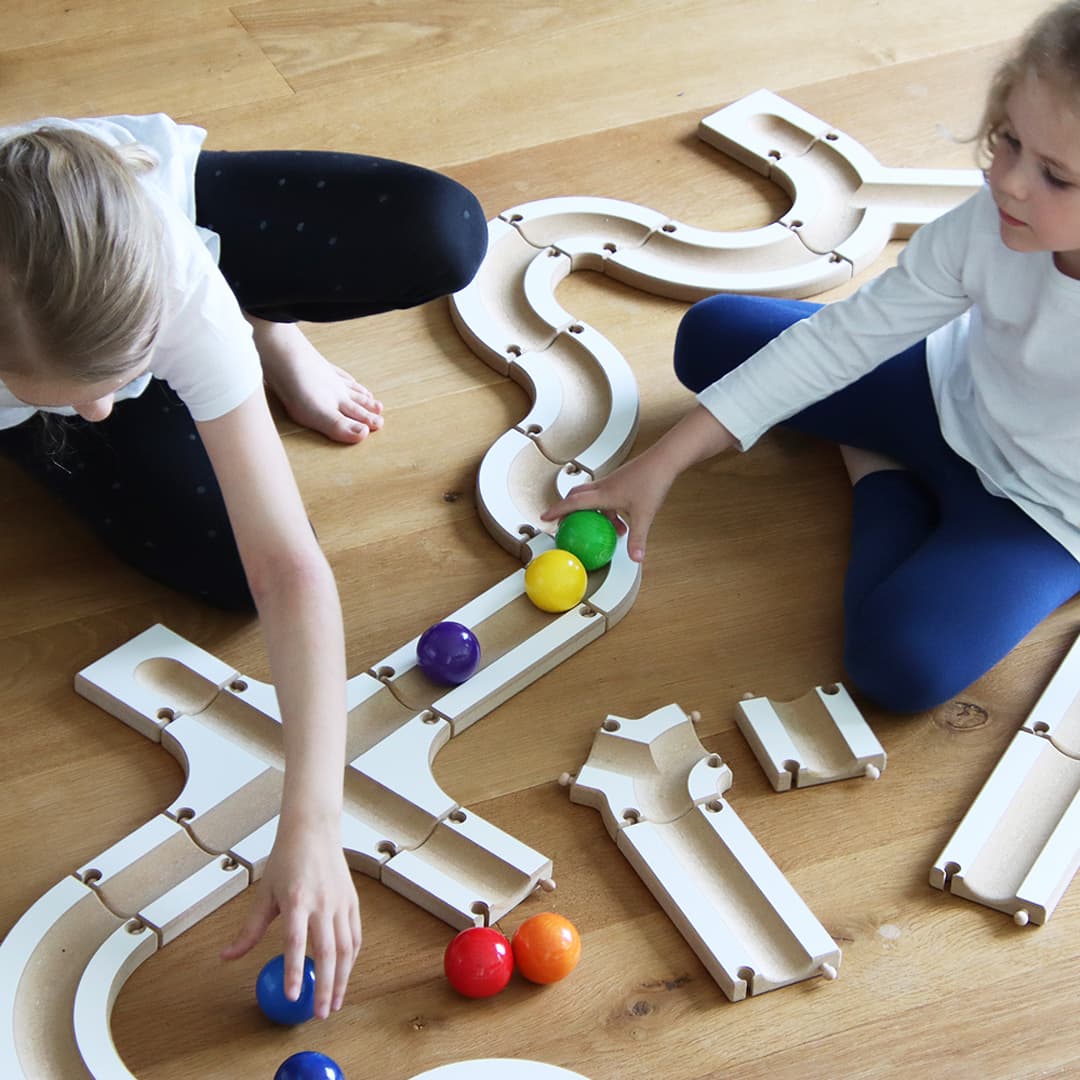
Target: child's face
(92, 401)
(1035, 174)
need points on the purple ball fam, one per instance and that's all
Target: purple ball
(448, 652)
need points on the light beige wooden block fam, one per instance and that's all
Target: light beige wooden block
(152, 679)
(102, 980)
(534, 654)
(515, 484)
(748, 926)
(468, 872)
(613, 589)
(492, 313)
(820, 737)
(1056, 714)
(598, 221)
(498, 1069)
(41, 960)
(762, 128)
(229, 791)
(586, 401)
(393, 787)
(483, 615)
(128, 946)
(647, 769)
(145, 863)
(687, 263)
(1018, 846)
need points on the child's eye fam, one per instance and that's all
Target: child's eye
(1010, 140)
(1053, 180)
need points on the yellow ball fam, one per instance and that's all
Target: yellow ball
(555, 580)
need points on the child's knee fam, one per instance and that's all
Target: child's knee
(457, 235)
(904, 674)
(700, 353)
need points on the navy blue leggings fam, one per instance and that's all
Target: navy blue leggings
(944, 578)
(305, 235)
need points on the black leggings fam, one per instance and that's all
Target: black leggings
(305, 235)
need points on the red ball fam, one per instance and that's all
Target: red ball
(478, 962)
(546, 947)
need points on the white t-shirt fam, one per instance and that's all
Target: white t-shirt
(1003, 352)
(205, 350)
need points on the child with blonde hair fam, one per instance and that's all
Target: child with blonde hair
(115, 312)
(951, 383)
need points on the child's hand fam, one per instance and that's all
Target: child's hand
(634, 492)
(308, 883)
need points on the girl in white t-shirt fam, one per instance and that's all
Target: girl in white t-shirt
(114, 313)
(951, 383)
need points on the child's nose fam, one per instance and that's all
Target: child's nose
(95, 410)
(1013, 181)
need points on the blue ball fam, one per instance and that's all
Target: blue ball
(270, 993)
(448, 652)
(309, 1065)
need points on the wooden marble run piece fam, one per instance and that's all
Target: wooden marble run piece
(762, 128)
(659, 792)
(818, 738)
(493, 312)
(652, 768)
(152, 679)
(394, 790)
(592, 221)
(688, 263)
(595, 417)
(515, 484)
(41, 960)
(518, 641)
(1018, 846)
(498, 1069)
(135, 870)
(468, 872)
(748, 926)
(846, 202)
(128, 946)
(1056, 715)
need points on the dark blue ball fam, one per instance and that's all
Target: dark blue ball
(309, 1065)
(270, 993)
(448, 652)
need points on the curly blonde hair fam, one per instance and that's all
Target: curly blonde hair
(1050, 50)
(81, 268)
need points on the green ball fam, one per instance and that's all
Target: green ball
(589, 535)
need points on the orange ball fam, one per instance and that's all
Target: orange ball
(546, 947)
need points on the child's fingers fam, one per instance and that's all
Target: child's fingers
(324, 948)
(583, 497)
(262, 914)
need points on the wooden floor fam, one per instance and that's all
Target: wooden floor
(741, 589)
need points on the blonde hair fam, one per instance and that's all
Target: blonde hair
(1050, 50)
(81, 274)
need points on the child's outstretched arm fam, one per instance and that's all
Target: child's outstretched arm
(636, 491)
(306, 880)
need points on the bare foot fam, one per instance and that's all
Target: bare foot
(860, 463)
(314, 392)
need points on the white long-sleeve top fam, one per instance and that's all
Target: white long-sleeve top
(205, 349)
(1003, 351)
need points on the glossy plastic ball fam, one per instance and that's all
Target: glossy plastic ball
(546, 947)
(270, 993)
(556, 580)
(590, 536)
(309, 1065)
(448, 652)
(479, 962)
